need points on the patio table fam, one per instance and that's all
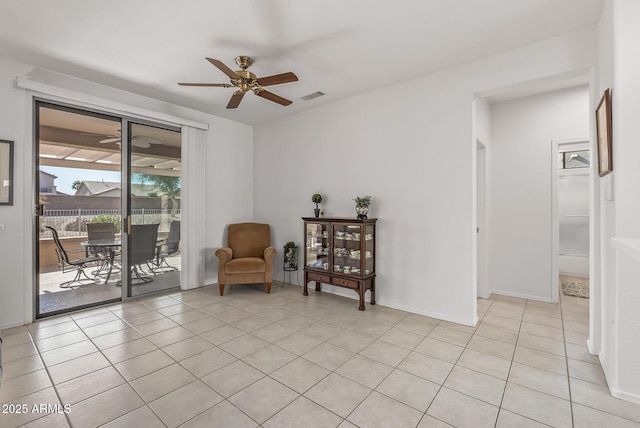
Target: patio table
(110, 245)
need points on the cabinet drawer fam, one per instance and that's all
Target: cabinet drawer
(320, 278)
(344, 282)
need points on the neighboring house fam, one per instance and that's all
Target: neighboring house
(47, 184)
(99, 188)
(114, 190)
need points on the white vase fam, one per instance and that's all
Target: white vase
(362, 211)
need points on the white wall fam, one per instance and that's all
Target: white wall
(619, 66)
(626, 131)
(12, 244)
(229, 178)
(520, 226)
(410, 146)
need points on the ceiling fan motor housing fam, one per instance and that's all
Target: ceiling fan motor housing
(246, 80)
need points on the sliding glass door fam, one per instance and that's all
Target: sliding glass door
(108, 217)
(154, 206)
(78, 160)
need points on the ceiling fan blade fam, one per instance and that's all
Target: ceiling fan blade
(273, 97)
(215, 85)
(235, 99)
(140, 144)
(226, 70)
(276, 79)
(109, 140)
(143, 141)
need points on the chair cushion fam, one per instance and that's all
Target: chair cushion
(248, 239)
(245, 265)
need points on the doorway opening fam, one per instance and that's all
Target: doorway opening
(571, 197)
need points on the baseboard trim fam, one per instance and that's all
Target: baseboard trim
(632, 398)
(523, 296)
(340, 291)
(11, 325)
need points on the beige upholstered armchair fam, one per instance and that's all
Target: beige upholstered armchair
(248, 257)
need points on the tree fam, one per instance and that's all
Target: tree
(166, 184)
(76, 185)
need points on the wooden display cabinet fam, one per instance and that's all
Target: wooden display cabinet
(342, 252)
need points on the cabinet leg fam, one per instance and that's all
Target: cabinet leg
(305, 292)
(373, 291)
(361, 291)
(317, 286)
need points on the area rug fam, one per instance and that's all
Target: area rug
(575, 286)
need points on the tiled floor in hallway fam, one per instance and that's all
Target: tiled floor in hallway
(248, 359)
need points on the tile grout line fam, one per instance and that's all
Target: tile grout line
(316, 320)
(53, 384)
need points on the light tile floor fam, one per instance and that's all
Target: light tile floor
(248, 359)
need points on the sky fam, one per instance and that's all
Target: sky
(66, 176)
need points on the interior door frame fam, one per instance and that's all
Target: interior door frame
(481, 221)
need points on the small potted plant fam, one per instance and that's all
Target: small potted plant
(362, 205)
(290, 254)
(316, 199)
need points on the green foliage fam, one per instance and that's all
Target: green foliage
(316, 198)
(108, 218)
(362, 201)
(166, 184)
(290, 244)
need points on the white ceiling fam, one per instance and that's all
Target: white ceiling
(339, 47)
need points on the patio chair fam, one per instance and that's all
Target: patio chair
(142, 250)
(99, 232)
(67, 264)
(165, 248)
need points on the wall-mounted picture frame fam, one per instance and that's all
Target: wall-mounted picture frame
(603, 134)
(6, 172)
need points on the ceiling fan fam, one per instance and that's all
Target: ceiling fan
(246, 81)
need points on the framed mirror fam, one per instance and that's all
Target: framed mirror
(6, 172)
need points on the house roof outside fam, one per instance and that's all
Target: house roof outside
(106, 188)
(96, 188)
(48, 174)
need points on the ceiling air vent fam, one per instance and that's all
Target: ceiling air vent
(313, 95)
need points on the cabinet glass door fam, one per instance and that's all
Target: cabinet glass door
(317, 246)
(369, 249)
(347, 250)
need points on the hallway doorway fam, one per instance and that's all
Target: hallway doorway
(571, 197)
